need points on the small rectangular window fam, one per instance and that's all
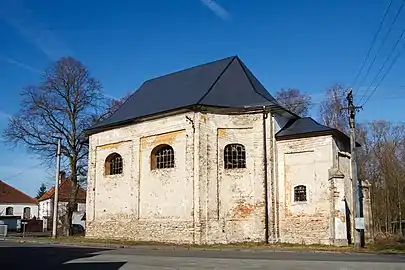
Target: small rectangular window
(300, 193)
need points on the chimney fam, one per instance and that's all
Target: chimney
(62, 176)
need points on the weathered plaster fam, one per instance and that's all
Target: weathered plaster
(199, 201)
(305, 161)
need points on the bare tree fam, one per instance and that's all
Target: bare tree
(330, 108)
(381, 162)
(113, 104)
(294, 101)
(64, 104)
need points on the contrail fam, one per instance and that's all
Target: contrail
(22, 65)
(24, 21)
(217, 9)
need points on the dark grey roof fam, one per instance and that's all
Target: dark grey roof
(307, 126)
(222, 83)
(302, 126)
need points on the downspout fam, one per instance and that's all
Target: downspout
(207, 190)
(94, 176)
(194, 178)
(272, 174)
(275, 183)
(266, 202)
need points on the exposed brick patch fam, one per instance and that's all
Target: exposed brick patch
(200, 201)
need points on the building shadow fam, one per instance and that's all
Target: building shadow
(52, 257)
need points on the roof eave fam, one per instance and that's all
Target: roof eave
(11, 202)
(198, 107)
(127, 122)
(332, 132)
(303, 135)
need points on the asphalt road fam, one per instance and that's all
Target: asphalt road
(30, 256)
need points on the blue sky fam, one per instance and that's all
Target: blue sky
(309, 45)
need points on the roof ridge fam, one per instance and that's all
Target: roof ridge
(190, 67)
(51, 192)
(250, 81)
(217, 79)
(316, 122)
(19, 191)
(206, 84)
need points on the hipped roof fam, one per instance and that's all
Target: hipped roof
(307, 126)
(225, 83)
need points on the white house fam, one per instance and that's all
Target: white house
(46, 201)
(206, 155)
(16, 203)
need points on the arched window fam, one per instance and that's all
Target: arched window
(9, 211)
(234, 156)
(27, 213)
(113, 164)
(162, 157)
(300, 193)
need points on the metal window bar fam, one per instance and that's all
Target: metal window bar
(116, 165)
(235, 156)
(300, 194)
(165, 158)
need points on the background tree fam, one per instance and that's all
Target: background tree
(113, 104)
(41, 191)
(294, 101)
(63, 104)
(329, 109)
(381, 162)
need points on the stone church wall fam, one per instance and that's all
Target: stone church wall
(232, 200)
(199, 200)
(305, 162)
(142, 204)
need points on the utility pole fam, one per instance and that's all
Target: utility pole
(357, 213)
(56, 194)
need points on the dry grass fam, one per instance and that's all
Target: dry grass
(381, 245)
(389, 244)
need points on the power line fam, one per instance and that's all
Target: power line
(383, 42)
(372, 42)
(339, 96)
(21, 173)
(385, 75)
(383, 65)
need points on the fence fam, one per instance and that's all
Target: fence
(3, 231)
(32, 225)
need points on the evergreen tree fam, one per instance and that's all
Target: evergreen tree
(41, 191)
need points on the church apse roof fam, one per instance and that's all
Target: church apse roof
(307, 127)
(225, 83)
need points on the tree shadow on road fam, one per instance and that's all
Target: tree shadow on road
(52, 257)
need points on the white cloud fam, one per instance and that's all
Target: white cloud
(23, 20)
(217, 9)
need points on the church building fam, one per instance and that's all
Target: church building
(207, 155)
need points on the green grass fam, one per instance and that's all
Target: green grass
(74, 240)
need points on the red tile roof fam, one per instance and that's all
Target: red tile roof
(8, 194)
(65, 188)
